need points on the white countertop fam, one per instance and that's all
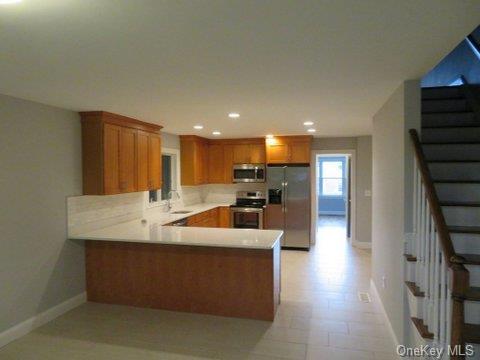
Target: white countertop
(151, 231)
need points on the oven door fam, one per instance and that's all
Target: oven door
(246, 218)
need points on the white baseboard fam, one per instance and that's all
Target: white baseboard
(362, 244)
(374, 291)
(36, 321)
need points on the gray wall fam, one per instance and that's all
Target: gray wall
(363, 172)
(392, 178)
(170, 141)
(40, 161)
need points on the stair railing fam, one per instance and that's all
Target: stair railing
(439, 271)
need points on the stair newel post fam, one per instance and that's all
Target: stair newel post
(460, 280)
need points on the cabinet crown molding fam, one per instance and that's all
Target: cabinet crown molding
(120, 120)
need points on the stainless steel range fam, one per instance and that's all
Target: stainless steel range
(247, 213)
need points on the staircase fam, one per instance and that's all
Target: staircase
(450, 142)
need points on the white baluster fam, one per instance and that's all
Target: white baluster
(426, 261)
(415, 210)
(443, 302)
(436, 293)
(449, 313)
(431, 273)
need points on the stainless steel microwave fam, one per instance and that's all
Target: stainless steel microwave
(248, 173)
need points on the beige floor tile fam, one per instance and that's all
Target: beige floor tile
(319, 324)
(329, 353)
(369, 330)
(360, 343)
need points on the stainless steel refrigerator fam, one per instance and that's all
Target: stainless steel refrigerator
(288, 204)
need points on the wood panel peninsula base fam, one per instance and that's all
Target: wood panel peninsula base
(234, 282)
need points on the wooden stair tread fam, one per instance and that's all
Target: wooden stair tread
(471, 259)
(422, 328)
(473, 293)
(460, 203)
(472, 333)
(414, 289)
(410, 258)
(464, 229)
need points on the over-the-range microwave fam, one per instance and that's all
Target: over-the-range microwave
(248, 173)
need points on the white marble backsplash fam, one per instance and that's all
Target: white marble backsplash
(226, 193)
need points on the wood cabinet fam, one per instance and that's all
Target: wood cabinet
(206, 161)
(194, 160)
(119, 154)
(289, 150)
(224, 217)
(209, 218)
(249, 153)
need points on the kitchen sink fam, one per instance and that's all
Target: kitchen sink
(181, 212)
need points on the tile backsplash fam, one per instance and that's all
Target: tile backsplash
(88, 213)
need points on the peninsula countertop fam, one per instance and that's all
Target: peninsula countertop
(151, 231)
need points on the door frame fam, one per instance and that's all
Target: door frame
(313, 190)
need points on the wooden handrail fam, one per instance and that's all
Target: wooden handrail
(440, 224)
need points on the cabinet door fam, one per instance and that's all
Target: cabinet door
(216, 173)
(241, 154)
(111, 160)
(201, 163)
(257, 153)
(277, 153)
(299, 152)
(228, 163)
(127, 164)
(154, 161)
(142, 161)
(224, 217)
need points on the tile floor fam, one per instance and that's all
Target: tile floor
(320, 318)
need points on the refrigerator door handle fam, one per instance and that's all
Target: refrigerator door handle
(285, 196)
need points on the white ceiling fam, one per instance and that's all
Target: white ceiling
(179, 63)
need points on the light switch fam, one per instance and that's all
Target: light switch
(368, 193)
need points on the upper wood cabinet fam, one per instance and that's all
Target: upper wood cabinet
(119, 154)
(216, 170)
(193, 160)
(288, 150)
(249, 153)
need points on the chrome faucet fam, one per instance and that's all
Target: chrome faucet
(170, 198)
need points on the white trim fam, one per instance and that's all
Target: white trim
(376, 296)
(313, 189)
(36, 321)
(362, 244)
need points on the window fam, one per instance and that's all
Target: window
(332, 177)
(166, 175)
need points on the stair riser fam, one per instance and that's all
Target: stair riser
(452, 152)
(445, 105)
(451, 135)
(449, 119)
(461, 215)
(472, 312)
(466, 243)
(458, 192)
(474, 271)
(455, 171)
(441, 93)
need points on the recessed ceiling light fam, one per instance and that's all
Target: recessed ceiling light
(269, 136)
(311, 130)
(198, 127)
(7, 2)
(216, 133)
(234, 115)
(308, 123)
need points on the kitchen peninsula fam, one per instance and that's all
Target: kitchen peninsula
(218, 271)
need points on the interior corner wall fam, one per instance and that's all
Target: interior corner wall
(41, 166)
(363, 180)
(391, 197)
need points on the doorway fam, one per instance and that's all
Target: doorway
(333, 203)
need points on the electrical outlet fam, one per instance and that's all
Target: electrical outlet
(384, 282)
